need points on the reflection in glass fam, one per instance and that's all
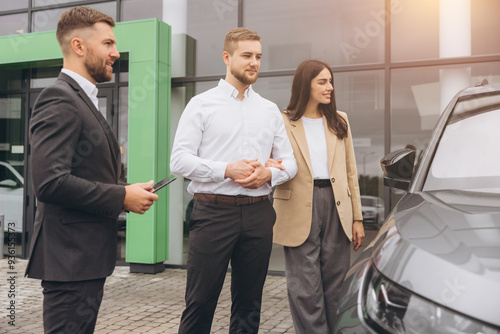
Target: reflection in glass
(338, 32)
(12, 80)
(123, 65)
(123, 142)
(12, 119)
(141, 9)
(360, 95)
(207, 24)
(415, 30)
(13, 24)
(47, 19)
(44, 76)
(123, 129)
(485, 25)
(13, 4)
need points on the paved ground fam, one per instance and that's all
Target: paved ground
(135, 303)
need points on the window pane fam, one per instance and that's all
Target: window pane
(123, 129)
(416, 100)
(39, 3)
(44, 76)
(415, 30)
(12, 119)
(275, 89)
(141, 9)
(123, 141)
(207, 24)
(13, 4)
(13, 24)
(338, 32)
(47, 19)
(12, 80)
(361, 96)
(485, 27)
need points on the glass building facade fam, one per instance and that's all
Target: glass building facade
(396, 63)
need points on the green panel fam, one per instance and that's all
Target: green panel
(27, 48)
(147, 43)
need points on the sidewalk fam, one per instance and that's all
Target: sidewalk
(136, 303)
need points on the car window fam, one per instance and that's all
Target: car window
(468, 154)
(367, 201)
(7, 178)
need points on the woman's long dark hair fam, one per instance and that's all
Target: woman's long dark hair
(301, 92)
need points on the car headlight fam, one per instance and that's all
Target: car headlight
(390, 308)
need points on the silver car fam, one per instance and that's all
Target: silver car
(373, 211)
(11, 197)
(434, 266)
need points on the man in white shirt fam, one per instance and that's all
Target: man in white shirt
(224, 138)
(76, 167)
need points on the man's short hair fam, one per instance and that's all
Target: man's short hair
(78, 18)
(235, 35)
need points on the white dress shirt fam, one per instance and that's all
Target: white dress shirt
(217, 128)
(88, 87)
(316, 142)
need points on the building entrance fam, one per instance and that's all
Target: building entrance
(19, 90)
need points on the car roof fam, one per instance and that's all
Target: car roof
(480, 88)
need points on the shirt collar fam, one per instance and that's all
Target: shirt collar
(230, 90)
(88, 87)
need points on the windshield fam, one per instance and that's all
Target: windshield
(468, 154)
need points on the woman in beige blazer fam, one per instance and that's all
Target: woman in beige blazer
(318, 211)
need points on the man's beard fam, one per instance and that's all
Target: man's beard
(96, 69)
(242, 77)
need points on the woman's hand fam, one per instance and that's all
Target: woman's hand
(275, 164)
(358, 234)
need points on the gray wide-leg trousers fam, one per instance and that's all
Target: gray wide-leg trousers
(315, 270)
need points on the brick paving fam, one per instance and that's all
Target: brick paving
(137, 303)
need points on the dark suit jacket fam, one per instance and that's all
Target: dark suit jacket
(75, 160)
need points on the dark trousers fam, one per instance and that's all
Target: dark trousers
(71, 307)
(220, 233)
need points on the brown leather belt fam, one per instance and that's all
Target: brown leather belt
(224, 199)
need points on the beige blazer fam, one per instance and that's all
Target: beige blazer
(293, 199)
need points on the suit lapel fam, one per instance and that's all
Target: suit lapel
(113, 144)
(299, 134)
(331, 144)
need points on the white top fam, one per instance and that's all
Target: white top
(88, 87)
(316, 142)
(217, 128)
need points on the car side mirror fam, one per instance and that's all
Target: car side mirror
(398, 168)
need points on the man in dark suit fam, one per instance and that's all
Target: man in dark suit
(75, 161)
